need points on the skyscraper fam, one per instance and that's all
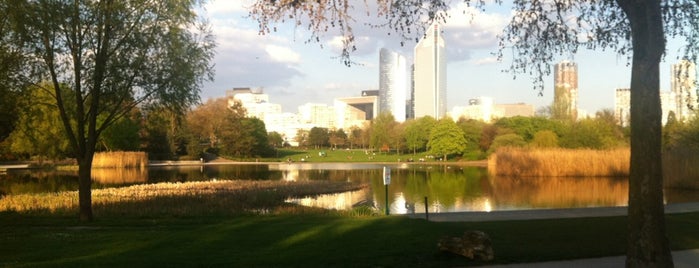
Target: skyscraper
(565, 95)
(393, 84)
(430, 75)
(683, 78)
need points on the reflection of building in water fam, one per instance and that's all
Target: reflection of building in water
(340, 201)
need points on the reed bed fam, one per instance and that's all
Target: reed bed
(120, 160)
(522, 162)
(681, 168)
(180, 199)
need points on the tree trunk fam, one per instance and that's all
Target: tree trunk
(85, 187)
(648, 245)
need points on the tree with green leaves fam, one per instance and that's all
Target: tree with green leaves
(318, 137)
(244, 137)
(538, 32)
(473, 131)
(38, 132)
(114, 55)
(123, 134)
(381, 134)
(337, 138)
(544, 139)
(417, 133)
(275, 139)
(446, 138)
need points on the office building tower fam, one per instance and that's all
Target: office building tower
(430, 75)
(683, 79)
(393, 84)
(565, 93)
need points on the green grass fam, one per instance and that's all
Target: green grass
(342, 155)
(303, 240)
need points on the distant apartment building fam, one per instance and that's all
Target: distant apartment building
(622, 105)
(256, 104)
(317, 114)
(484, 109)
(683, 79)
(430, 75)
(565, 98)
(393, 84)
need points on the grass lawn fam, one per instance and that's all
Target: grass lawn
(343, 155)
(320, 239)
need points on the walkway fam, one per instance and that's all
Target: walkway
(681, 259)
(537, 214)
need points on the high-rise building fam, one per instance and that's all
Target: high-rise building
(565, 95)
(683, 79)
(430, 75)
(393, 84)
(622, 106)
(317, 114)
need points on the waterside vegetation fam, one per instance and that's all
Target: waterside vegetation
(177, 199)
(247, 224)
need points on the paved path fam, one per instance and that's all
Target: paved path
(536, 214)
(681, 259)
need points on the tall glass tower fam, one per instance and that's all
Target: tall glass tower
(393, 84)
(430, 75)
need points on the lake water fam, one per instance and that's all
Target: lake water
(448, 188)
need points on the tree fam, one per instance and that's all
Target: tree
(337, 138)
(417, 133)
(446, 138)
(36, 132)
(123, 134)
(114, 55)
(207, 120)
(381, 134)
(473, 130)
(318, 137)
(275, 139)
(356, 137)
(245, 137)
(545, 139)
(507, 140)
(538, 32)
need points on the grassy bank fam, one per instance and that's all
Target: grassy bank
(246, 224)
(303, 240)
(342, 155)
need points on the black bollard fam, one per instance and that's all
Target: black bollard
(427, 215)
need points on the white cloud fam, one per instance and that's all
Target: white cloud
(484, 61)
(219, 7)
(282, 54)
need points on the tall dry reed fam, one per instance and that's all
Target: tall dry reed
(523, 162)
(120, 160)
(681, 168)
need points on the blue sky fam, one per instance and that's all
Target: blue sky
(294, 72)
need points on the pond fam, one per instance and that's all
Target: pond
(447, 188)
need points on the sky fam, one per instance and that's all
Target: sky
(294, 72)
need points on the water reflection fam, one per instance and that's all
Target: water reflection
(447, 188)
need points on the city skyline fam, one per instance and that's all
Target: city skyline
(295, 72)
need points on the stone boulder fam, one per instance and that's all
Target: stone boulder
(475, 245)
